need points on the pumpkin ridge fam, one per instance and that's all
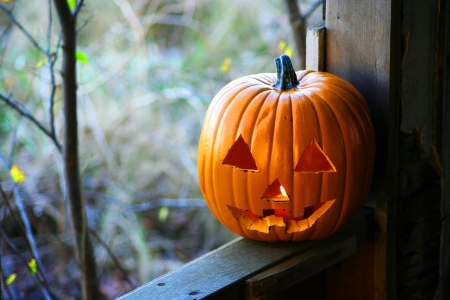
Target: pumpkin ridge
(319, 102)
(219, 210)
(215, 209)
(343, 203)
(293, 151)
(362, 136)
(233, 179)
(236, 182)
(253, 202)
(270, 146)
(305, 97)
(268, 83)
(360, 107)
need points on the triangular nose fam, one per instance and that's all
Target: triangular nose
(276, 192)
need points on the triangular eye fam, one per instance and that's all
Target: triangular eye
(314, 160)
(239, 156)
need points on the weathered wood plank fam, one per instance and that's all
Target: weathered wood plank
(353, 277)
(273, 281)
(364, 47)
(315, 47)
(230, 265)
(418, 69)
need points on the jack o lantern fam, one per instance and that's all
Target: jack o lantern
(286, 156)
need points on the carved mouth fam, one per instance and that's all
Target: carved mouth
(280, 217)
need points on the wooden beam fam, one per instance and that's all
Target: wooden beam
(220, 273)
(268, 284)
(315, 47)
(364, 47)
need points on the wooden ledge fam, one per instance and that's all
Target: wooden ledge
(245, 266)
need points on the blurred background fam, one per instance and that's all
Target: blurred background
(147, 73)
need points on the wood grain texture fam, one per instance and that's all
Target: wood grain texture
(315, 47)
(219, 273)
(419, 37)
(353, 277)
(363, 46)
(275, 280)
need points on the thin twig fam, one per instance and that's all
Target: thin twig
(40, 279)
(29, 36)
(16, 220)
(26, 223)
(51, 113)
(311, 9)
(49, 28)
(298, 24)
(77, 8)
(298, 29)
(19, 107)
(8, 289)
(85, 23)
(113, 256)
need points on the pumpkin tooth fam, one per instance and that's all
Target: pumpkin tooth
(316, 211)
(280, 217)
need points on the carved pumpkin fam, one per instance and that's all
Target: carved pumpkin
(286, 156)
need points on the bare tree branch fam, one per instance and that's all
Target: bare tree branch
(13, 214)
(8, 291)
(26, 224)
(19, 107)
(49, 28)
(51, 113)
(70, 152)
(77, 8)
(113, 256)
(298, 29)
(29, 36)
(298, 24)
(312, 8)
(85, 23)
(40, 279)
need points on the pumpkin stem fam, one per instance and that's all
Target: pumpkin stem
(286, 77)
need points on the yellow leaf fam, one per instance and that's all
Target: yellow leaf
(17, 175)
(281, 46)
(33, 266)
(11, 279)
(41, 62)
(288, 51)
(225, 65)
(8, 83)
(163, 213)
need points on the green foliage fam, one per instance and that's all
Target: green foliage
(72, 4)
(82, 57)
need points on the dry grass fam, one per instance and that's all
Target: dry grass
(154, 66)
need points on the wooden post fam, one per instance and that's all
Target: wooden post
(315, 47)
(363, 46)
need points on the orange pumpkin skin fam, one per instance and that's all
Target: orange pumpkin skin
(278, 125)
